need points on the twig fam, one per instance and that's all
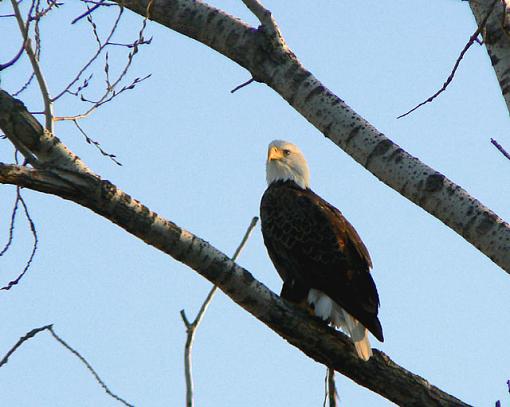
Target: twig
(89, 11)
(500, 148)
(96, 144)
(332, 393)
(48, 105)
(471, 41)
(20, 342)
(242, 85)
(94, 57)
(13, 60)
(268, 23)
(89, 367)
(11, 226)
(191, 327)
(19, 198)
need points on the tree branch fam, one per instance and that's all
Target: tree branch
(311, 335)
(48, 104)
(496, 37)
(191, 328)
(279, 68)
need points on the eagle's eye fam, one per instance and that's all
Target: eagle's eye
(286, 152)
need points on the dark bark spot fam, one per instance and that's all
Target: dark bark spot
(353, 133)
(211, 16)
(494, 59)
(380, 149)
(487, 222)
(434, 182)
(327, 130)
(314, 92)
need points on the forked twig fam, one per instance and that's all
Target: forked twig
(192, 326)
(471, 41)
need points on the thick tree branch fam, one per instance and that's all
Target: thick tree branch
(278, 67)
(312, 336)
(496, 37)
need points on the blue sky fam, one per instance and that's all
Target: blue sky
(195, 153)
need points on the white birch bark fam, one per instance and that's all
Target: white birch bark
(496, 38)
(264, 53)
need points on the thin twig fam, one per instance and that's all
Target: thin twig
(11, 226)
(14, 59)
(48, 105)
(471, 41)
(34, 247)
(242, 85)
(500, 148)
(332, 393)
(88, 366)
(96, 144)
(89, 11)
(191, 327)
(22, 340)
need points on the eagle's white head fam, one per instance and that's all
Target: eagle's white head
(286, 162)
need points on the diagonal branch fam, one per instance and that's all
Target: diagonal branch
(310, 335)
(279, 68)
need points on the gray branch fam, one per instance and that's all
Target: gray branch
(310, 335)
(272, 63)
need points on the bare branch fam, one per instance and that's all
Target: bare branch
(14, 59)
(20, 342)
(31, 223)
(316, 339)
(95, 56)
(192, 327)
(336, 120)
(471, 41)
(331, 393)
(48, 105)
(96, 144)
(242, 85)
(500, 148)
(89, 367)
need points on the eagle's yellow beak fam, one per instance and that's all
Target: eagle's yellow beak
(274, 153)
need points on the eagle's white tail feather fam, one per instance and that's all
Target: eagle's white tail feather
(327, 309)
(359, 336)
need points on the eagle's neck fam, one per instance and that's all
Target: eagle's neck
(276, 172)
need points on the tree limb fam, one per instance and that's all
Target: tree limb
(311, 335)
(278, 67)
(496, 37)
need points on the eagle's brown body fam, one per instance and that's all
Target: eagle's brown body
(314, 247)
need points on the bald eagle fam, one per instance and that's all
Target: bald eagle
(319, 256)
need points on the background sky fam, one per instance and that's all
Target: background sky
(195, 153)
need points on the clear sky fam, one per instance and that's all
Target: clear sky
(195, 153)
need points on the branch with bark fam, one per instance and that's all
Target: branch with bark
(310, 335)
(274, 64)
